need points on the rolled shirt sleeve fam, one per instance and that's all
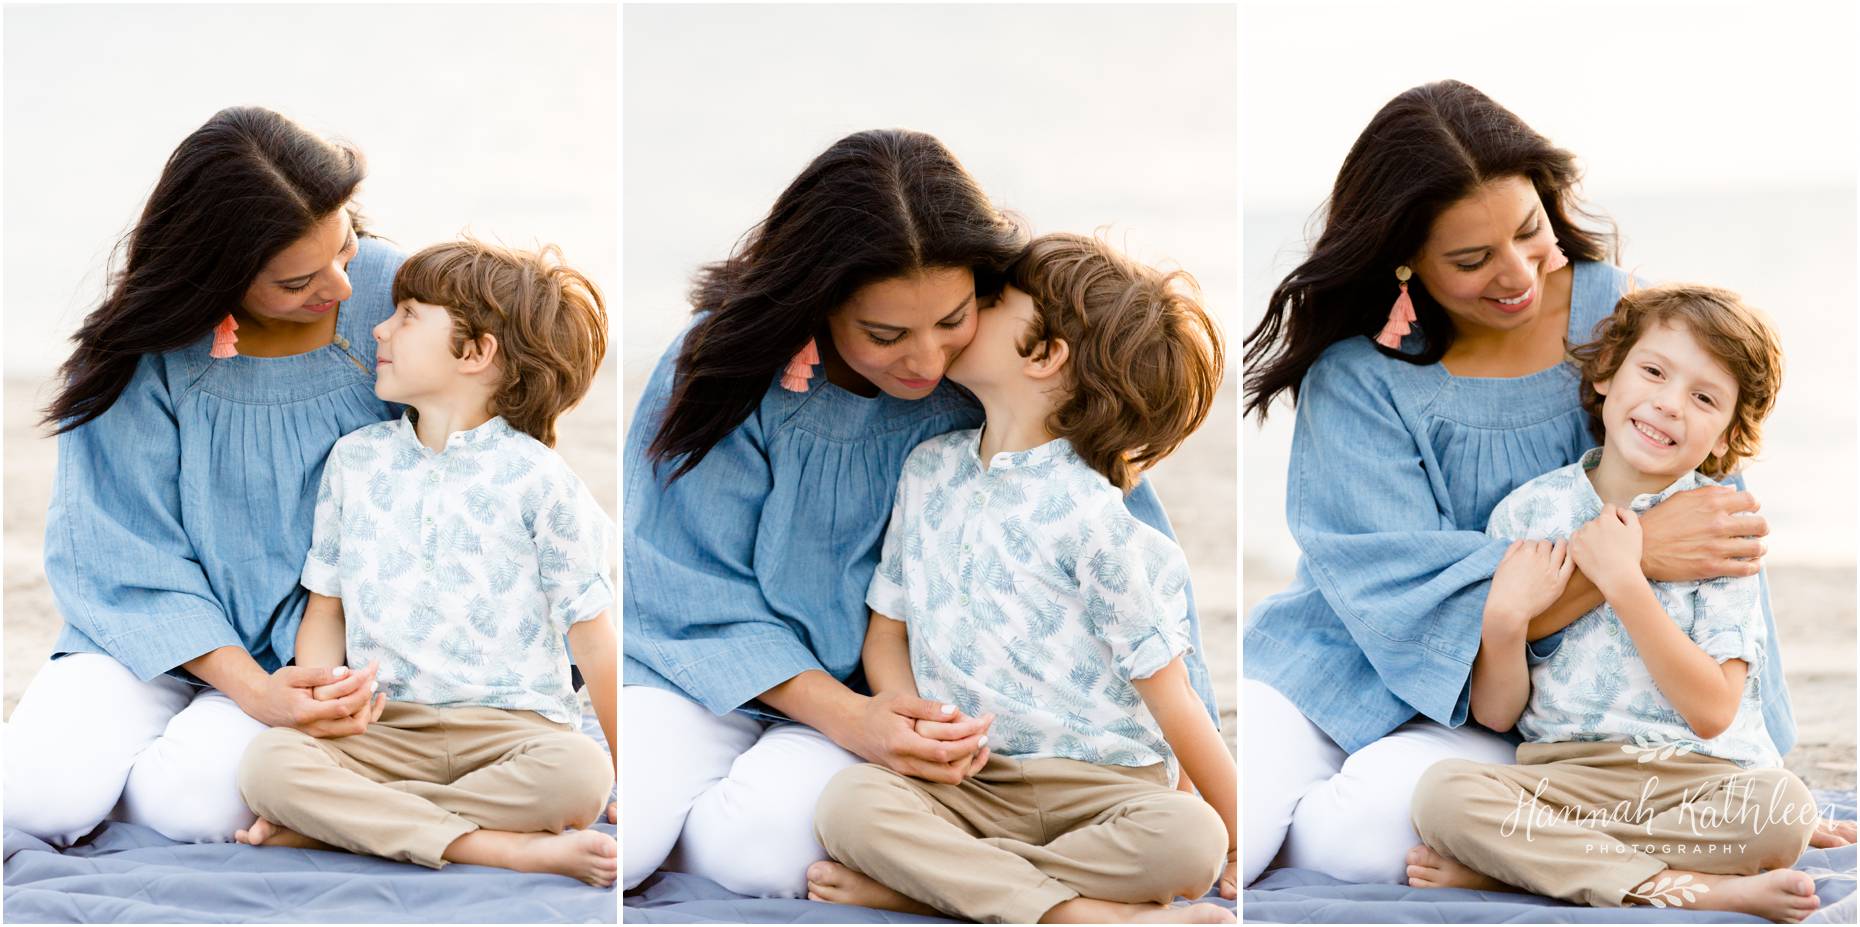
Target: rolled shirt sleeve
(1134, 583)
(1729, 621)
(573, 538)
(117, 556)
(1409, 588)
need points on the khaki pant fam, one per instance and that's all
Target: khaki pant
(1009, 843)
(421, 777)
(1590, 823)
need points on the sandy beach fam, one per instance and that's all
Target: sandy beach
(586, 440)
(1814, 609)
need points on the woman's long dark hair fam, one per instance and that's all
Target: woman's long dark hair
(1424, 151)
(876, 205)
(236, 192)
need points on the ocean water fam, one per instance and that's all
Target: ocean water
(1790, 252)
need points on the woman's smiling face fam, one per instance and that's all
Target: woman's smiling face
(1484, 258)
(305, 282)
(902, 333)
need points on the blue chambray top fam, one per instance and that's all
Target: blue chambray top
(753, 567)
(180, 517)
(1395, 469)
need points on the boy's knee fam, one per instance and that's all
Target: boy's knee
(261, 769)
(845, 807)
(1788, 817)
(1439, 798)
(1188, 849)
(581, 779)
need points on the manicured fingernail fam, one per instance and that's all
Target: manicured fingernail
(947, 709)
(339, 672)
(981, 743)
(374, 684)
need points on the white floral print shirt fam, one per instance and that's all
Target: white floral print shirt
(1030, 591)
(1595, 687)
(460, 571)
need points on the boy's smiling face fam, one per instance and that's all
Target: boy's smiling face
(1669, 405)
(413, 357)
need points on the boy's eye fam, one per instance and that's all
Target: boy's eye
(1651, 370)
(1706, 399)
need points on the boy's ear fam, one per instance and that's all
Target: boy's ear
(479, 354)
(1601, 386)
(1723, 446)
(1050, 359)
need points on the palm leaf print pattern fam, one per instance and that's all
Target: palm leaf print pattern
(442, 552)
(1024, 581)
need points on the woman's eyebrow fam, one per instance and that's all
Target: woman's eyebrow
(1521, 227)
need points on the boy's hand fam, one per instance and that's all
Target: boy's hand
(884, 732)
(1528, 580)
(351, 683)
(1607, 550)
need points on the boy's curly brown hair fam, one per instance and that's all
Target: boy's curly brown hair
(548, 318)
(1145, 358)
(1738, 336)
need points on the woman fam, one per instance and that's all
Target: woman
(760, 469)
(226, 358)
(1357, 674)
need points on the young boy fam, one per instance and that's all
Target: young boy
(1647, 776)
(452, 551)
(1014, 582)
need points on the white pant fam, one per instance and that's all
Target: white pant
(88, 737)
(1347, 816)
(722, 798)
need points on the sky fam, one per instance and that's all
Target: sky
(497, 119)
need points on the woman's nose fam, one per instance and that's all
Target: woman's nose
(1516, 270)
(340, 290)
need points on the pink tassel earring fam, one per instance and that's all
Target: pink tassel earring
(1556, 261)
(1401, 317)
(224, 339)
(801, 368)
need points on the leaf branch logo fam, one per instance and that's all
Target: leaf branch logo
(1649, 748)
(1670, 892)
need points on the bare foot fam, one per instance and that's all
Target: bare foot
(263, 833)
(1784, 896)
(1094, 911)
(831, 882)
(588, 855)
(1428, 868)
(1831, 833)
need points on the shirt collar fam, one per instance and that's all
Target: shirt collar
(1692, 479)
(485, 437)
(1057, 449)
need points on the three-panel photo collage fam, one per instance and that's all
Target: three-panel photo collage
(890, 463)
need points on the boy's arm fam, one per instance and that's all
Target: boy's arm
(1530, 577)
(322, 638)
(1705, 691)
(1197, 745)
(597, 652)
(887, 656)
(1501, 681)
